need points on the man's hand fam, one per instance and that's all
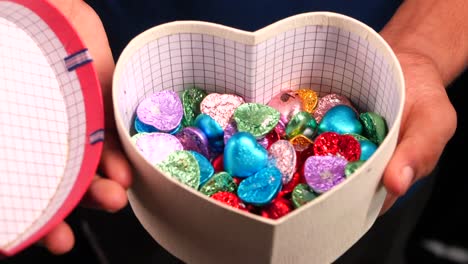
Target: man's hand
(430, 40)
(429, 121)
(107, 191)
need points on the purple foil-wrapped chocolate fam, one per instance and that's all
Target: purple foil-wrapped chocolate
(162, 110)
(281, 129)
(194, 139)
(322, 173)
(327, 102)
(263, 142)
(284, 156)
(288, 103)
(156, 146)
(221, 107)
(230, 130)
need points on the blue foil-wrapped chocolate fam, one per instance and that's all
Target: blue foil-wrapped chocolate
(261, 188)
(243, 155)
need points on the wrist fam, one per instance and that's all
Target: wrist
(432, 30)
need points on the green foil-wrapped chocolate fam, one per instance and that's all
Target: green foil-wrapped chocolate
(257, 119)
(357, 136)
(301, 123)
(191, 99)
(183, 166)
(351, 167)
(302, 194)
(375, 126)
(220, 182)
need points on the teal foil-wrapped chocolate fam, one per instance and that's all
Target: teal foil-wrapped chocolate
(375, 126)
(206, 169)
(212, 130)
(341, 119)
(141, 127)
(351, 167)
(243, 155)
(367, 147)
(302, 194)
(260, 189)
(220, 182)
(257, 119)
(183, 166)
(191, 99)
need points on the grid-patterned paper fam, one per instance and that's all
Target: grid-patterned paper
(42, 124)
(326, 59)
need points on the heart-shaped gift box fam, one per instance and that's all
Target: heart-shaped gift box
(327, 52)
(51, 118)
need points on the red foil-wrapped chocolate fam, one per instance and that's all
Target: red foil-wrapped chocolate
(237, 180)
(272, 137)
(327, 144)
(229, 198)
(350, 148)
(218, 163)
(303, 155)
(331, 143)
(277, 208)
(289, 187)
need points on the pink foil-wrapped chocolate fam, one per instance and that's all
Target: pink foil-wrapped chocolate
(327, 102)
(288, 103)
(221, 107)
(284, 156)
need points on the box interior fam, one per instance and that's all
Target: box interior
(326, 59)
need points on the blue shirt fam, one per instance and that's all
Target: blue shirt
(124, 19)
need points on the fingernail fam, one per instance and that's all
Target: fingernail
(407, 176)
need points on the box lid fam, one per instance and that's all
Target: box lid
(51, 121)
